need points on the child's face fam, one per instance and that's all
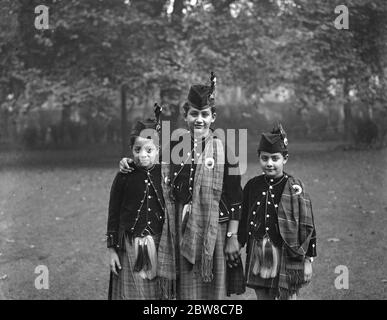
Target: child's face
(144, 152)
(199, 121)
(272, 164)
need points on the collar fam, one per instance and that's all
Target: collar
(202, 139)
(145, 169)
(275, 181)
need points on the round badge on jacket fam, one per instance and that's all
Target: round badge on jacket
(209, 163)
(297, 188)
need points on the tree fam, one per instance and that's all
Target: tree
(317, 54)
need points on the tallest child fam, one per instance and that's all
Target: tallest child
(206, 200)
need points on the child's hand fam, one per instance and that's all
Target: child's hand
(114, 261)
(232, 251)
(125, 165)
(307, 270)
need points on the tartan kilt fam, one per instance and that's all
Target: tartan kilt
(191, 285)
(236, 282)
(280, 286)
(128, 285)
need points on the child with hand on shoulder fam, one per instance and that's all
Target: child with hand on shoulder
(136, 219)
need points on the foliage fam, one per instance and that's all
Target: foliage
(94, 47)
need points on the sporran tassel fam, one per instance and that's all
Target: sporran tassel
(270, 259)
(138, 249)
(146, 257)
(152, 258)
(256, 256)
(146, 263)
(275, 262)
(267, 250)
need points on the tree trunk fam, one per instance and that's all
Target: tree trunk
(177, 13)
(124, 122)
(153, 8)
(221, 6)
(64, 136)
(348, 118)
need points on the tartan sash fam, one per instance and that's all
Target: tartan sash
(295, 218)
(199, 238)
(166, 264)
(296, 224)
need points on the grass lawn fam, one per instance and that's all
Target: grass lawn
(53, 212)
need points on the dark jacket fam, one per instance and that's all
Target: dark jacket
(136, 205)
(289, 215)
(230, 205)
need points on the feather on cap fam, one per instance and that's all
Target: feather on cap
(149, 123)
(274, 141)
(203, 96)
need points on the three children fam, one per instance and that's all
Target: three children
(176, 227)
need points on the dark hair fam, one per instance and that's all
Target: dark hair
(187, 105)
(132, 140)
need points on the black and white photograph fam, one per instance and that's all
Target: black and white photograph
(221, 151)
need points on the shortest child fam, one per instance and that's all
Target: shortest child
(277, 225)
(135, 220)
